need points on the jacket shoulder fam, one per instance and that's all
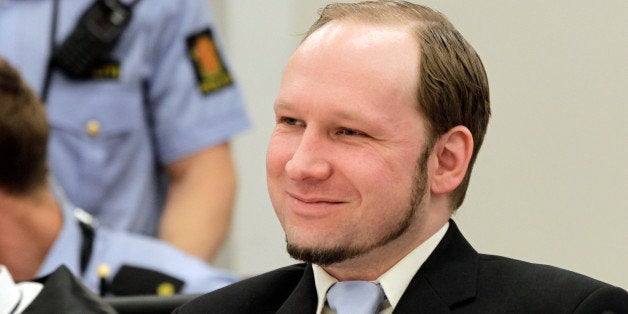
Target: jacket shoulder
(500, 268)
(538, 286)
(260, 294)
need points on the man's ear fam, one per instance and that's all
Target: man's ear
(453, 152)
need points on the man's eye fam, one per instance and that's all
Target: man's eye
(350, 132)
(289, 121)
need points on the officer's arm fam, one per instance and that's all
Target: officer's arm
(197, 213)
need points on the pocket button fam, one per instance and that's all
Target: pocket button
(92, 127)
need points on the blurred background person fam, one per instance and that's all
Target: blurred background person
(41, 230)
(141, 107)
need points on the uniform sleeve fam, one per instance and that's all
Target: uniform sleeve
(193, 100)
(137, 255)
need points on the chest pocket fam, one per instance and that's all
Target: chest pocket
(98, 131)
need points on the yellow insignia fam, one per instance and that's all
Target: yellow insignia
(165, 289)
(106, 70)
(209, 68)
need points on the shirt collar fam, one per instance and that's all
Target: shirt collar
(323, 282)
(395, 280)
(9, 293)
(14, 298)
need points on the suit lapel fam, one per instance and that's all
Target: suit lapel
(303, 298)
(447, 278)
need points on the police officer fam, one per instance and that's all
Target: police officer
(41, 230)
(139, 136)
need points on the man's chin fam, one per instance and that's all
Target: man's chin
(323, 256)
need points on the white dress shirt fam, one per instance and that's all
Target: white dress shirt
(394, 281)
(14, 298)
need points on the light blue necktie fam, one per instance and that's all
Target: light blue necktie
(355, 297)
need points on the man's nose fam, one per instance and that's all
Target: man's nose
(310, 159)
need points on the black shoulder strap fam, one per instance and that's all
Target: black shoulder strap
(51, 44)
(87, 243)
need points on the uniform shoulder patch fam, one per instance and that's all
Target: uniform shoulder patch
(209, 68)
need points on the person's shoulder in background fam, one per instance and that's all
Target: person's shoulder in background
(142, 265)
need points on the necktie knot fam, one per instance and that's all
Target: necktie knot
(355, 297)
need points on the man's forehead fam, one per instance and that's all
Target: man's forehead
(348, 45)
(355, 34)
(366, 66)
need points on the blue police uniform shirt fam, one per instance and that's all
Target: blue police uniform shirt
(111, 135)
(117, 248)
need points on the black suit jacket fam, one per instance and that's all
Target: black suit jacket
(455, 278)
(63, 293)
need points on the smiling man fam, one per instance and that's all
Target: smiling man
(346, 155)
(380, 116)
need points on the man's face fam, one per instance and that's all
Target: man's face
(342, 160)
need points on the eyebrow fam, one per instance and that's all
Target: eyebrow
(340, 113)
(282, 105)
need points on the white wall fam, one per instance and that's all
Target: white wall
(550, 182)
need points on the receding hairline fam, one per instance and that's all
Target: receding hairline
(393, 13)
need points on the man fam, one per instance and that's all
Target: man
(381, 113)
(141, 139)
(41, 230)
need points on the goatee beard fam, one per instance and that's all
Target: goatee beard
(326, 256)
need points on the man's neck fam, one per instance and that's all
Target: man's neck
(29, 225)
(372, 265)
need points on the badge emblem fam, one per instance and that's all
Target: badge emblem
(209, 68)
